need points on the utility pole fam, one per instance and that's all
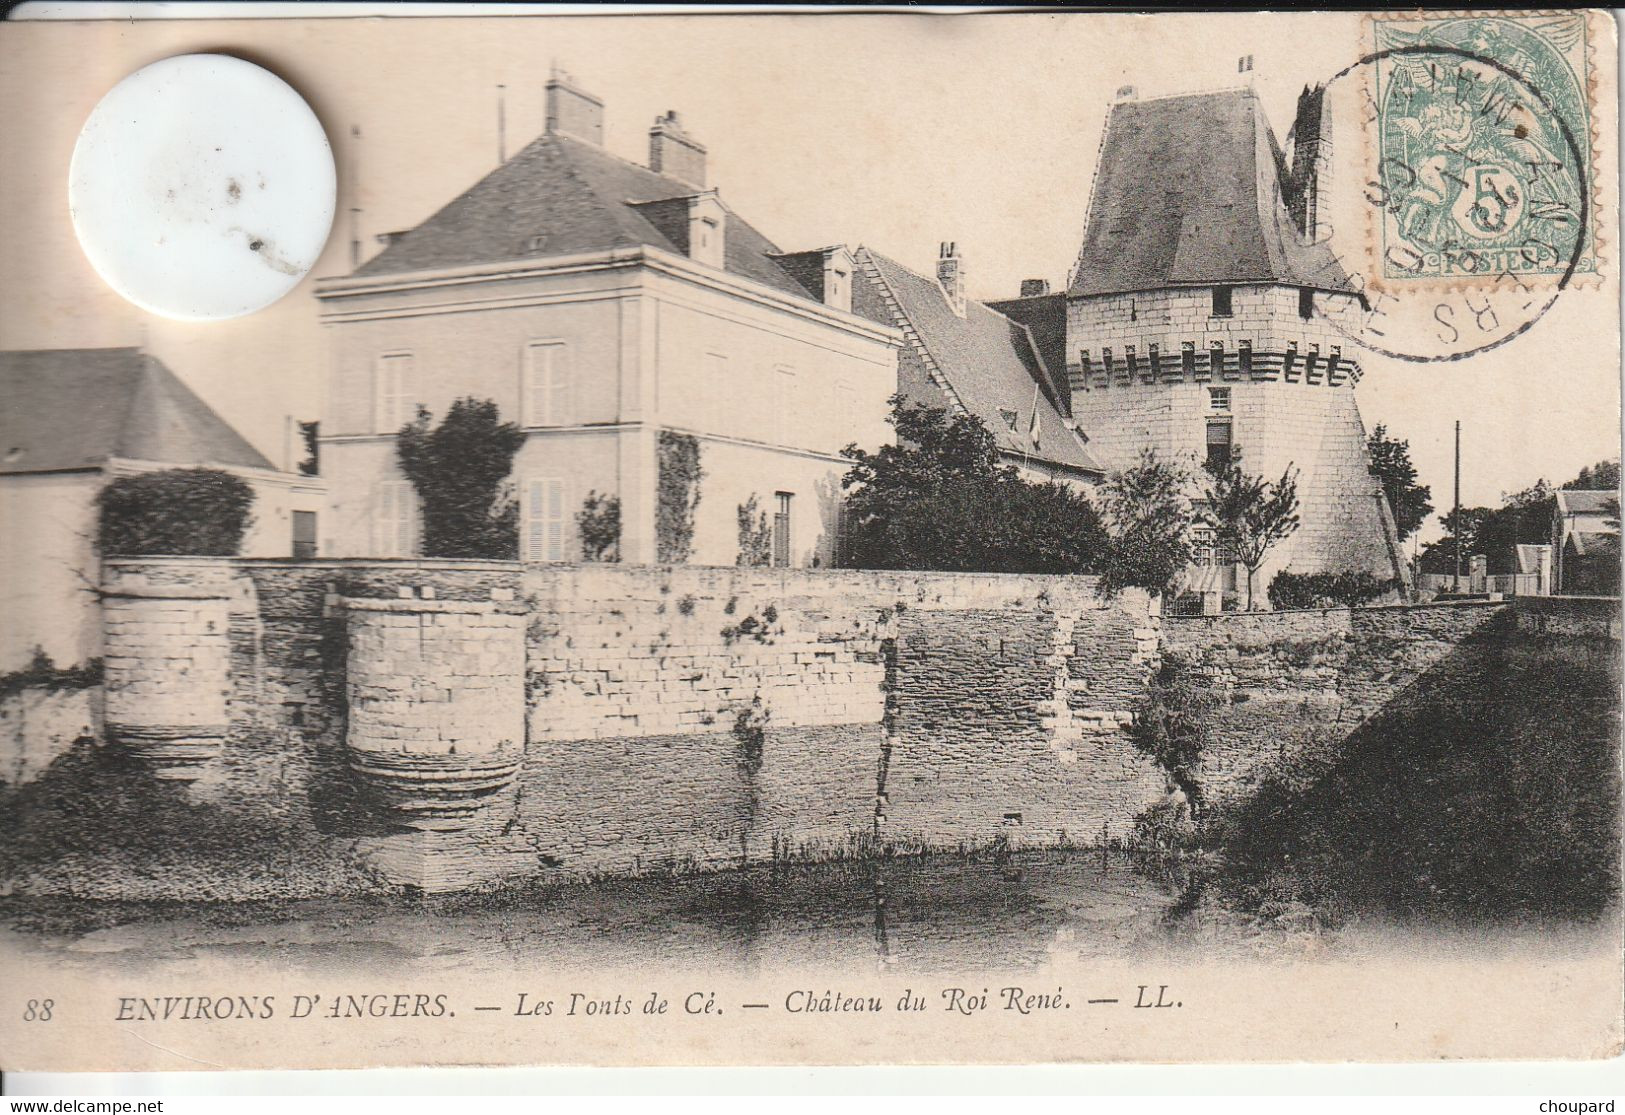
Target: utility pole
(1456, 515)
(502, 125)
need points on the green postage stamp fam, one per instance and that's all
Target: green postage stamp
(1485, 166)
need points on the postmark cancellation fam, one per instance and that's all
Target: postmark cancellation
(1481, 150)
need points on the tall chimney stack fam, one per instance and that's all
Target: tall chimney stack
(573, 111)
(675, 153)
(1309, 182)
(951, 276)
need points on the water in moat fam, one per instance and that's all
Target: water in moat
(909, 914)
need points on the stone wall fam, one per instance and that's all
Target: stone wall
(1294, 679)
(39, 725)
(446, 723)
(339, 726)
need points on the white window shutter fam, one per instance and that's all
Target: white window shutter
(558, 374)
(392, 388)
(547, 384)
(535, 520)
(406, 508)
(555, 520)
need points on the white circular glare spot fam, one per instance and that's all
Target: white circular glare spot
(202, 187)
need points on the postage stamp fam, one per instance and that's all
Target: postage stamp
(1483, 148)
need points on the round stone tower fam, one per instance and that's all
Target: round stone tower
(1207, 319)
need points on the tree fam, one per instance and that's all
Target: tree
(460, 471)
(192, 511)
(1600, 477)
(940, 499)
(1250, 515)
(1409, 501)
(1149, 519)
(1524, 518)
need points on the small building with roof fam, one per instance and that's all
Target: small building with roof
(607, 307)
(965, 357)
(1585, 542)
(74, 419)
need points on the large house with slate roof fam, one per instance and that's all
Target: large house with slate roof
(1207, 316)
(599, 303)
(74, 419)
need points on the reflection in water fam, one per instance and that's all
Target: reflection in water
(882, 951)
(909, 914)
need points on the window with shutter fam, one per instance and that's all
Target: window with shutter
(547, 384)
(1219, 450)
(392, 392)
(781, 530)
(394, 517)
(544, 520)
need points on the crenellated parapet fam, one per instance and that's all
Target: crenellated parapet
(436, 694)
(1212, 362)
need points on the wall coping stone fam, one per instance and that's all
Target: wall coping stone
(409, 604)
(164, 592)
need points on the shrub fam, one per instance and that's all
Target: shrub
(1326, 590)
(1171, 723)
(940, 499)
(460, 471)
(42, 672)
(599, 524)
(187, 511)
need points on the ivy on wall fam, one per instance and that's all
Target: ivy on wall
(599, 524)
(755, 535)
(678, 496)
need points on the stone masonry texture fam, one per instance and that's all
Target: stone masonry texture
(678, 719)
(1296, 679)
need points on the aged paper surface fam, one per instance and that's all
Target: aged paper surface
(691, 782)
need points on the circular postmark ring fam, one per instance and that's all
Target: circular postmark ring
(1532, 310)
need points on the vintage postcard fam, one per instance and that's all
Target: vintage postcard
(845, 538)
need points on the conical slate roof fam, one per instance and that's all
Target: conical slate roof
(1189, 192)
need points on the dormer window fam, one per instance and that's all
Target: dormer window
(1010, 418)
(696, 225)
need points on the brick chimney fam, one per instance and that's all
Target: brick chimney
(1034, 288)
(1309, 181)
(573, 111)
(951, 276)
(675, 153)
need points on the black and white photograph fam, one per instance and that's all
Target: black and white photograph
(724, 539)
